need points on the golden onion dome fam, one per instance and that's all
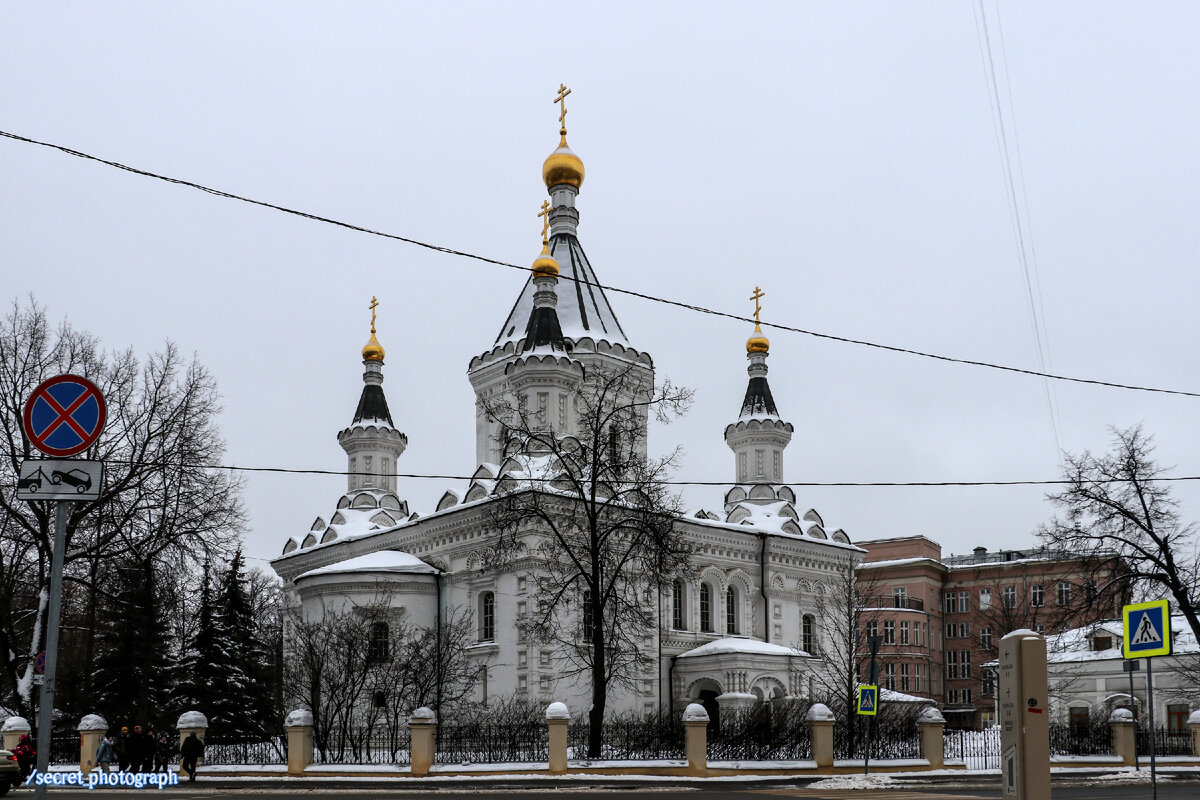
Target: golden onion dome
(545, 263)
(757, 343)
(562, 166)
(373, 351)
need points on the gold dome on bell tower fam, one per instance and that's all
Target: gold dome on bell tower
(562, 166)
(373, 351)
(758, 343)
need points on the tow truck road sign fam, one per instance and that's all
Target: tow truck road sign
(60, 479)
(1147, 629)
(39, 663)
(64, 415)
(868, 700)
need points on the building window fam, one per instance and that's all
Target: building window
(904, 632)
(1064, 593)
(706, 608)
(677, 618)
(985, 638)
(904, 677)
(731, 605)
(950, 603)
(964, 630)
(964, 602)
(900, 597)
(952, 697)
(872, 631)
(966, 696)
(1177, 717)
(1079, 718)
(1039, 628)
(889, 632)
(1010, 597)
(952, 664)
(985, 599)
(379, 699)
(377, 652)
(1090, 591)
(807, 639)
(1102, 643)
(989, 684)
(889, 677)
(921, 633)
(1039, 596)
(951, 630)
(587, 615)
(964, 661)
(487, 617)
(916, 677)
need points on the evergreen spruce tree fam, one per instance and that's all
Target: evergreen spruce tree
(202, 663)
(136, 667)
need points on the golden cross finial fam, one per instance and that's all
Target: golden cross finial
(758, 293)
(374, 303)
(545, 215)
(561, 99)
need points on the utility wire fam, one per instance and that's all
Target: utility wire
(430, 476)
(603, 287)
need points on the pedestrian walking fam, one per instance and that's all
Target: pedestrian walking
(141, 751)
(106, 754)
(26, 755)
(121, 745)
(191, 750)
(164, 753)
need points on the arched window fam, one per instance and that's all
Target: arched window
(487, 617)
(808, 640)
(678, 621)
(706, 608)
(731, 609)
(377, 648)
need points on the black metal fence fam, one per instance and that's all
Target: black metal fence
(626, 738)
(240, 750)
(492, 743)
(976, 749)
(1166, 742)
(762, 733)
(885, 739)
(64, 747)
(1094, 739)
(377, 747)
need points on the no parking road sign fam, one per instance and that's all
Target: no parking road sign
(64, 415)
(1147, 629)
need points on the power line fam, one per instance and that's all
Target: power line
(604, 287)
(724, 483)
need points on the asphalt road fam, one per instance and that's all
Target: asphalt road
(371, 790)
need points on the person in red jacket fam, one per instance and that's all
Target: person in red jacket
(26, 755)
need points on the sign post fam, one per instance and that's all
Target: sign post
(1024, 727)
(1131, 667)
(871, 698)
(63, 417)
(1148, 634)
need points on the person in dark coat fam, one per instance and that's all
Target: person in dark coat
(26, 755)
(106, 754)
(191, 750)
(164, 752)
(141, 751)
(121, 746)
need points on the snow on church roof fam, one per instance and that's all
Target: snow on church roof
(583, 309)
(741, 646)
(380, 561)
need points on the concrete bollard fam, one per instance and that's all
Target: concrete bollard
(91, 731)
(1194, 723)
(695, 730)
(422, 726)
(14, 728)
(932, 724)
(820, 723)
(299, 725)
(557, 718)
(189, 722)
(1124, 736)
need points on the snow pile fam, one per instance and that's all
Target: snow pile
(931, 715)
(855, 782)
(819, 713)
(93, 722)
(379, 561)
(15, 724)
(558, 711)
(741, 646)
(424, 714)
(695, 713)
(192, 719)
(301, 717)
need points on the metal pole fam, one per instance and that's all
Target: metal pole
(62, 508)
(1133, 707)
(1150, 702)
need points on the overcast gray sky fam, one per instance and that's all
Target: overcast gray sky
(844, 157)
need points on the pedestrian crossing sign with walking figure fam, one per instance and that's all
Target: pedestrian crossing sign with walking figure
(868, 700)
(1147, 629)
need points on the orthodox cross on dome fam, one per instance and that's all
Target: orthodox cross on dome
(561, 99)
(545, 215)
(374, 303)
(758, 293)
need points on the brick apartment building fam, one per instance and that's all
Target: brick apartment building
(941, 619)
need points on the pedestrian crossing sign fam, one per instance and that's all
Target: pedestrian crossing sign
(868, 700)
(1147, 629)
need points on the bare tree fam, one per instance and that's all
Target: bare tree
(1115, 504)
(160, 500)
(595, 514)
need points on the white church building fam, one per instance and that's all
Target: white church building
(741, 628)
